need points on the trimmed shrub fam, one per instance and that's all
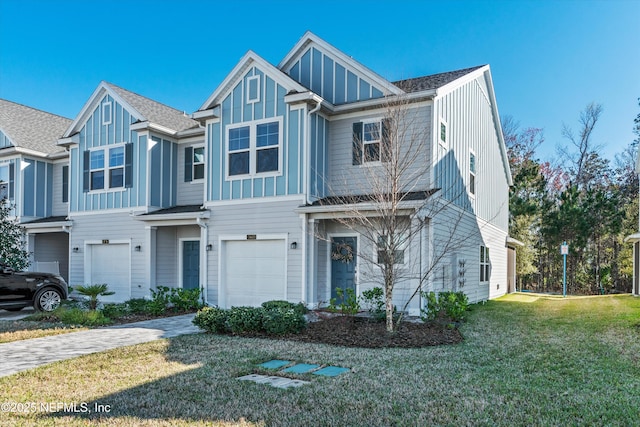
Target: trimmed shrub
(281, 321)
(138, 306)
(185, 299)
(212, 319)
(285, 305)
(245, 319)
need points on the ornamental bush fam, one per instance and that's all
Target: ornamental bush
(451, 304)
(212, 319)
(281, 321)
(245, 319)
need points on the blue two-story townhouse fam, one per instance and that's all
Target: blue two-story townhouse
(34, 177)
(285, 144)
(135, 194)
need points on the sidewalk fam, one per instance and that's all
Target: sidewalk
(19, 356)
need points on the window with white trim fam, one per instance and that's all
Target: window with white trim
(472, 173)
(254, 148)
(198, 163)
(485, 265)
(4, 182)
(253, 89)
(442, 139)
(106, 168)
(384, 249)
(106, 113)
(371, 139)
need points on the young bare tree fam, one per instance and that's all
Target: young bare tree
(391, 200)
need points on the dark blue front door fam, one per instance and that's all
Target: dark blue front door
(190, 264)
(343, 263)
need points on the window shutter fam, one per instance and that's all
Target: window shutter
(12, 178)
(86, 175)
(385, 146)
(188, 164)
(357, 143)
(128, 165)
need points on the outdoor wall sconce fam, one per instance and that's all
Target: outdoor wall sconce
(294, 245)
(209, 247)
(138, 248)
(76, 249)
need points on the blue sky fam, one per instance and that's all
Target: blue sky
(549, 59)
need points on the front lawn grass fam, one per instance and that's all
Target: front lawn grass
(525, 361)
(24, 330)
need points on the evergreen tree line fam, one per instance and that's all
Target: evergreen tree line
(580, 198)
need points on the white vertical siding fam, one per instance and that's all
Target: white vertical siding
(471, 126)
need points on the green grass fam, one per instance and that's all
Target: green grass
(525, 361)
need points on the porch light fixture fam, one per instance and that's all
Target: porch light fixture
(209, 247)
(294, 245)
(138, 248)
(76, 249)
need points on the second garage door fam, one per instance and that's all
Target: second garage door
(110, 265)
(253, 272)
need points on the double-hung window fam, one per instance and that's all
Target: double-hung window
(198, 163)
(107, 168)
(485, 265)
(442, 139)
(385, 248)
(97, 169)
(371, 141)
(254, 148)
(4, 182)
(116, 167)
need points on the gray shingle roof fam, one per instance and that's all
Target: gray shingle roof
(32, 129)
(433, 81)
(154, 111)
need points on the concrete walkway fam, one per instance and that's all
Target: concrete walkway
(19, 356)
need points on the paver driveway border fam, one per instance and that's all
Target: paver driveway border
(19, 356)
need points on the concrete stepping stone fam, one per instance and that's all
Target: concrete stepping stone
(331, 371)
(301, 368)
(273, 381)
(274, 364)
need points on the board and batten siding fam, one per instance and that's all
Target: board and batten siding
(257, 219)
(319, 157)
(189, 192)
(5, 141)
(94, 134)
(329, 77)
(163, 167)
(236, 110)
(471, 127)
(346, 178)
(113, 227)
(37, 188)
(59, 207)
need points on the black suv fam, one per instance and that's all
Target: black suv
(19, 289)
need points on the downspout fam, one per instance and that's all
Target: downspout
(203, 257)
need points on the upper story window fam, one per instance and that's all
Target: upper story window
(65, 184)
(485, 265)
(442, 139)
(106, 113)
(4, 182)
(254, 148)
(472, 173)
(370, 141)
(107, 168)
(253, 89)
(198, 163)
(194, 163)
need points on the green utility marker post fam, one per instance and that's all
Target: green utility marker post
(564, 250)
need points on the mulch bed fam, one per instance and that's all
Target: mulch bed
(365, 332)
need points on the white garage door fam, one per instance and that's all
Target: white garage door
(110, 264)
(254, 272)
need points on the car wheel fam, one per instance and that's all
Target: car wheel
(47, 299)
(14, 308)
